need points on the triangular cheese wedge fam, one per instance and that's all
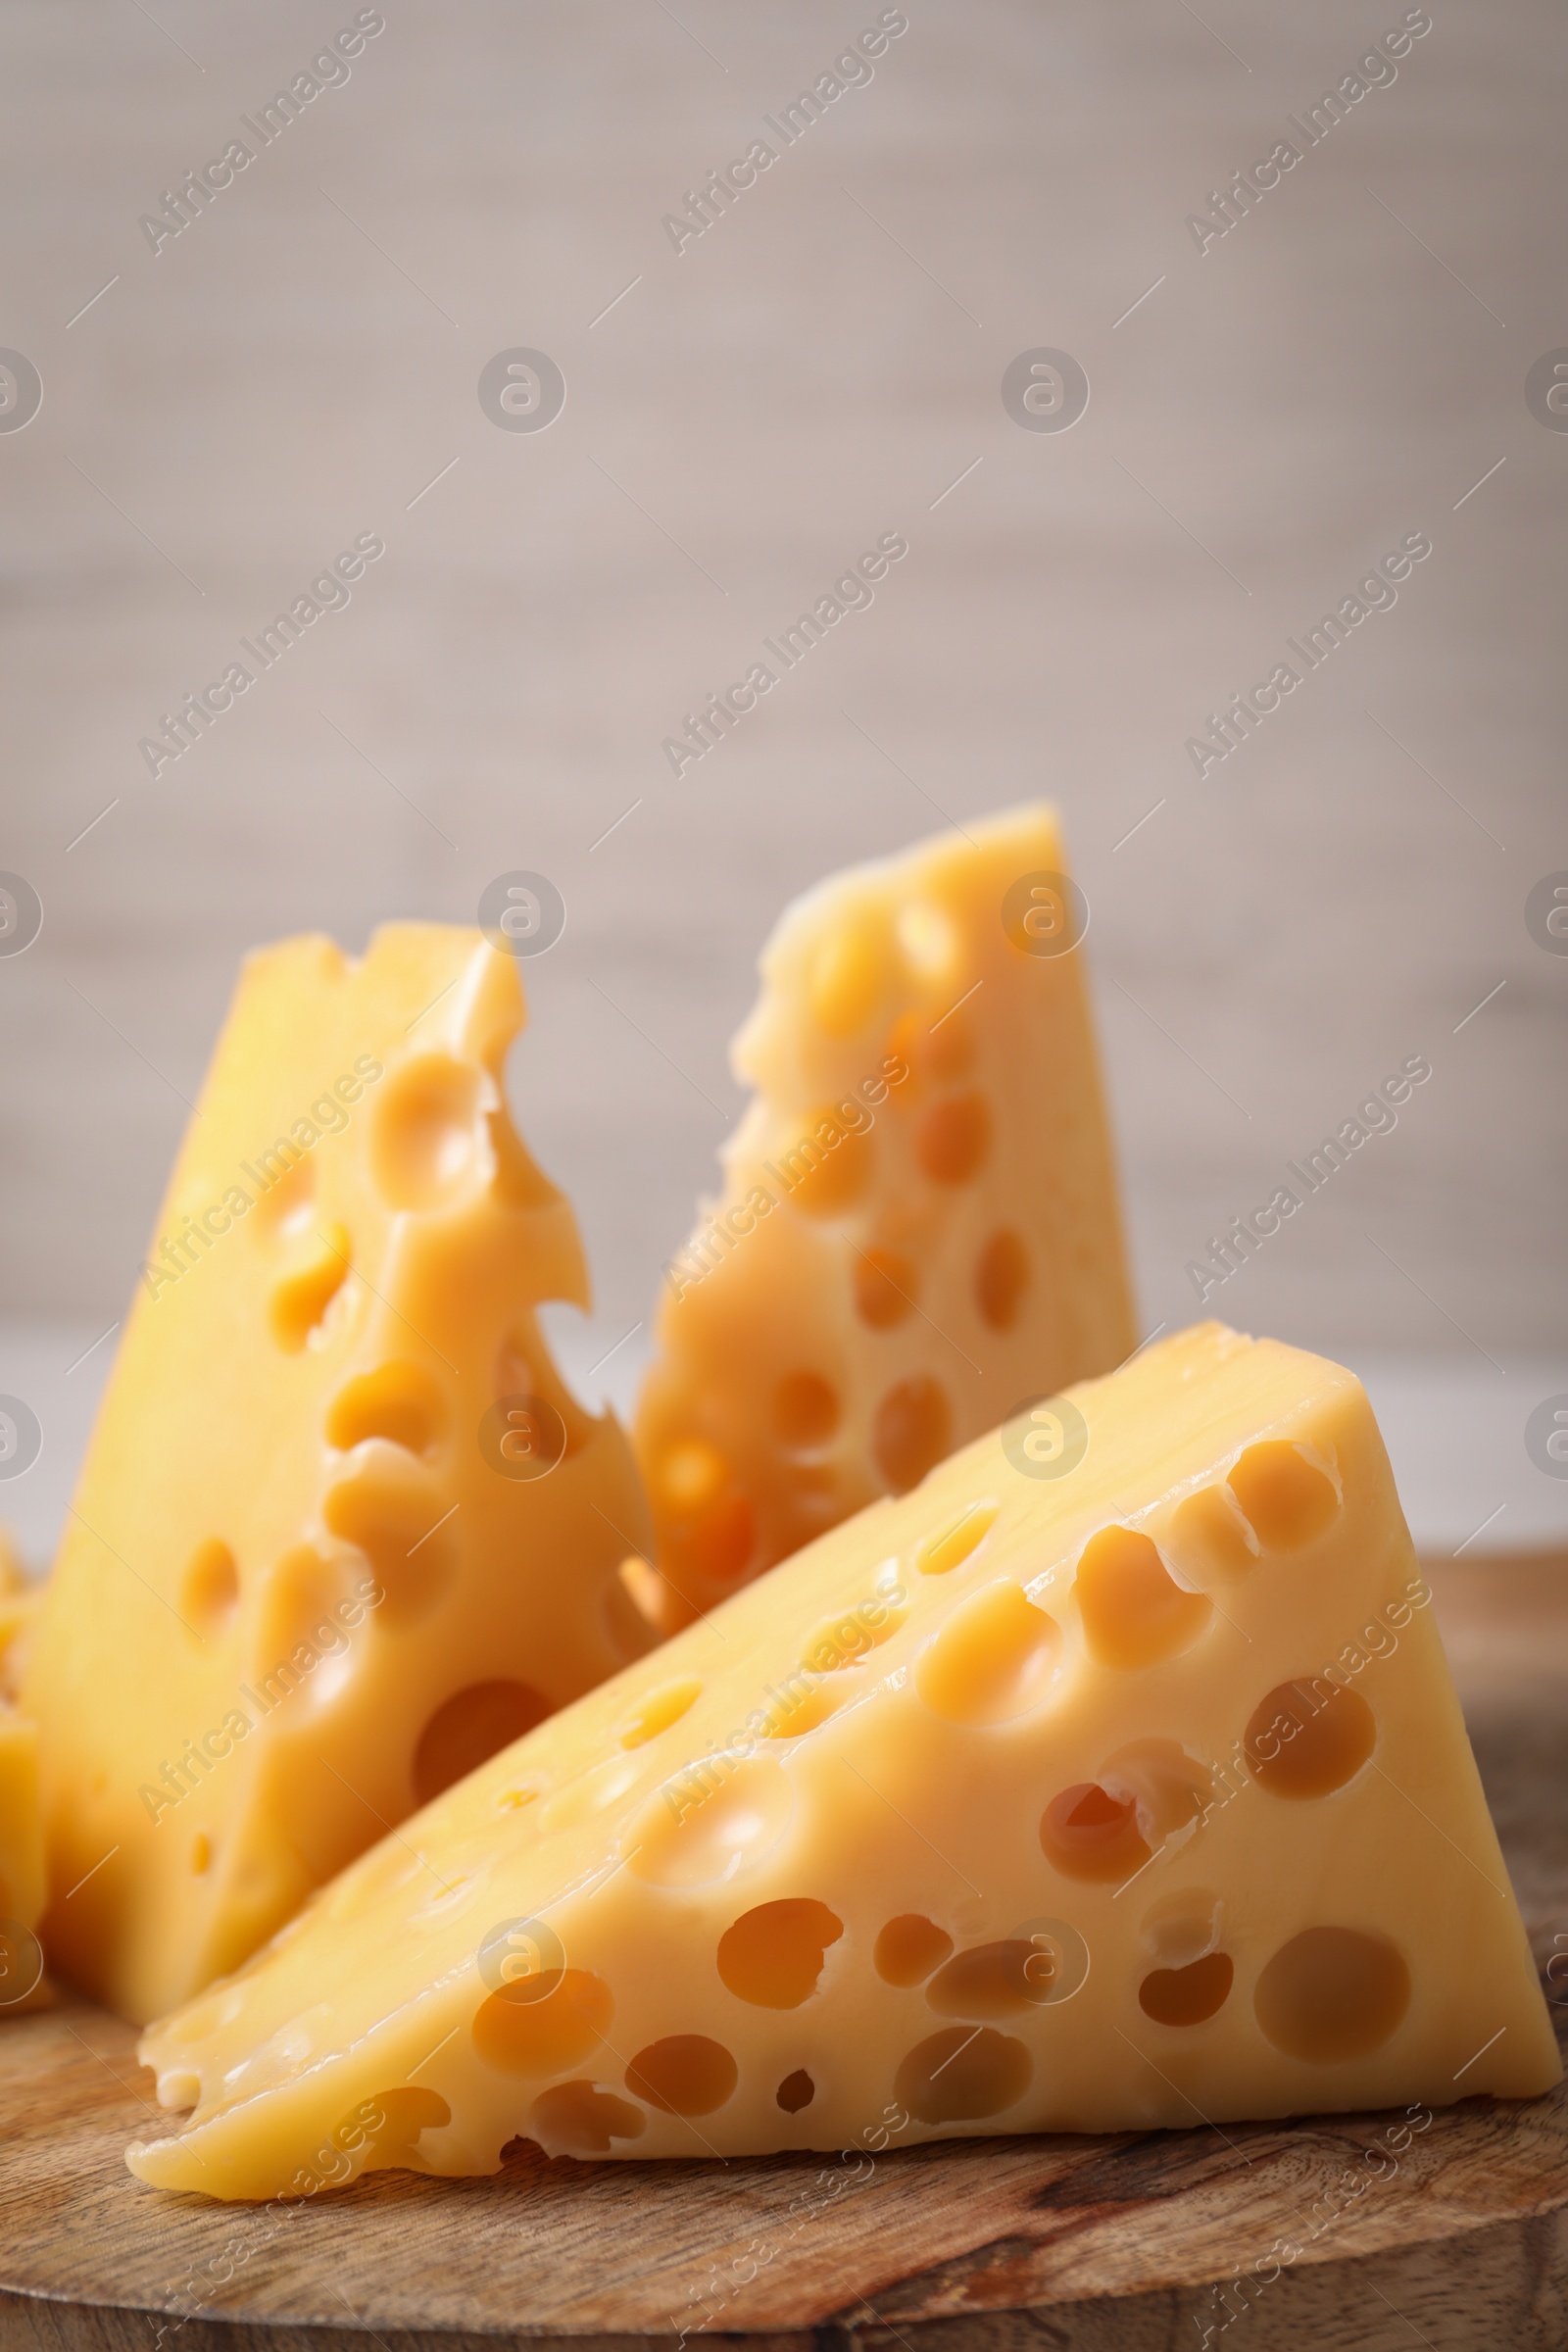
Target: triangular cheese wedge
(341, 1533)
(918, 1228)
(1113, 1779)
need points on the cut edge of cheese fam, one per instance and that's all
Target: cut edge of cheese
(341, 1531)
(1113, 1779)
(918, 1225)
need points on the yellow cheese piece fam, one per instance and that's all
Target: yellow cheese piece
(1112, 1779)
(22, 1875)
(341, 1533)
(20, 1596)
(918, 1228)
(22, 1984)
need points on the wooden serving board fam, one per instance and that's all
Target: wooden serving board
(1378, 2231)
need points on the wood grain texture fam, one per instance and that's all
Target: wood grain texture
(1457, 2236)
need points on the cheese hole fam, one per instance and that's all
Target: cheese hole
(1169, 1786)
(949, 1048)
(993, 1980)
(847, 979)
(578, 2119)
(649, 1596)
(469, 1728)
(1307, 1738)
(544, 2023)
(928, 939)
(1186, 1996)
(1088, 1833)
(591, 1792)
(1001, 1279)
(885, 1283)
(519, 1796)
(426, 1131)
(953, 1138)
(1332, 1994)
(1285, 1499)
(802, 1711)
(710, 1526)
(624, 1602)
(992, 1660)
(959, 2076)
(720, 1544)
(393, 1512)
(837, 1161)
(397, 1402)
(1182, 1928)
(796, 2092)
(698, 1828)
(1134, 1612)
(912, 1431)
(201, 1854)
(839, 1642)
(284, 1209)
(394, 2145)
(908, 1948)
(210, 1591)
(939, 1554)
(312, 1277)
(691, 1475)
(305, 1599)
(806, 1411)
(772, 1956)
(1208, 1534)
(657, 1710)
(685, 2074)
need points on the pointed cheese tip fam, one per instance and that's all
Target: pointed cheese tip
(463, 992)
(166, 2163)
(475, 996)
(1029, 831)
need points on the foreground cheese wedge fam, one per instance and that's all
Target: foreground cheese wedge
(341, 1533)
(918, 1227)
(1113, 1779)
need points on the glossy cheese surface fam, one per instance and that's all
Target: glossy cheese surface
(918, 1226)
(311, 1575)
(1114, 1776)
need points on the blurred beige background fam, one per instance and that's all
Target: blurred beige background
(1267, 418)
